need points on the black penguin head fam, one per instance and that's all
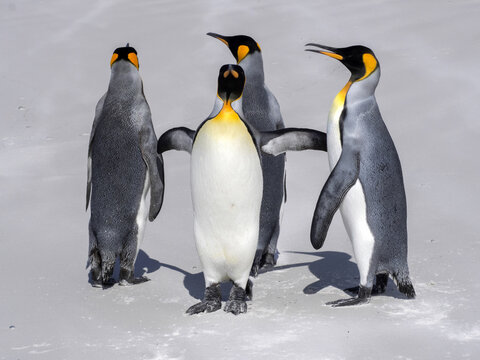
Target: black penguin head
(126, 53)
(239, 45)
(360, 60)
(231, 80)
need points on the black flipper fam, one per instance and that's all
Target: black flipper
(180, 138)
(341, 179)
(292, 139)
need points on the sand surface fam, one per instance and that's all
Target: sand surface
(55, 67)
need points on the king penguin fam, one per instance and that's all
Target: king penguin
(262, 112)
(226, 184)
(366, 180)
(125, 174)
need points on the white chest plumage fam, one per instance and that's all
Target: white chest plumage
(227, 187)
(353, 207)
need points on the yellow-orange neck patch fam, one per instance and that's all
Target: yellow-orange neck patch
(339, 101)
(227, 114)
(242, 51)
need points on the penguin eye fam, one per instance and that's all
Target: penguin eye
(370, 64)
(113, 59)
(242, 51)
(133, 59)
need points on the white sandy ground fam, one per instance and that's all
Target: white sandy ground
(54, 68)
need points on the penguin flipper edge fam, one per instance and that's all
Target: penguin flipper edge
(180, 138)
(292, 139)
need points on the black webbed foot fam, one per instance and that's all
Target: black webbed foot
(378, 288)
(236, 303)
(268, 261)
(204, 306)
(348, 302)
(257, 263)
(127, 278)
(211, 302)
(407, 289)
(107, 284)
(363, 297)
(133, 281)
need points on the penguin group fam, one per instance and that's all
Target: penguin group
(238, 180)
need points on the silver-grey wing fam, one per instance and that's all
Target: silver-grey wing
(98, 111)
(180, 138)
(292, 139)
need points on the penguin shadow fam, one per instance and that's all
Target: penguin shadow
(145, 264)
(335, 269)
(195, 283)
(332, 269)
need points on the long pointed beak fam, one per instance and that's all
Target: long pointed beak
(219, 37)
(331, 51)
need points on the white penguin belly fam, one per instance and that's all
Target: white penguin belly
(227, 187)
(143, 210)
(353, 207)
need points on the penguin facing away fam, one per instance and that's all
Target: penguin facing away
(227, 188)
(262, 112)
(125, 174)
(366, 180)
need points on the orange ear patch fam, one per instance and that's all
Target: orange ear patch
(133, 59)
(114, 58)
(370, 64)
(242, 51)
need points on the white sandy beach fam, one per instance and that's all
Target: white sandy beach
(55, 67)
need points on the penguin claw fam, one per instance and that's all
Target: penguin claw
(348, 302)
(236, 307)
(204, 306)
